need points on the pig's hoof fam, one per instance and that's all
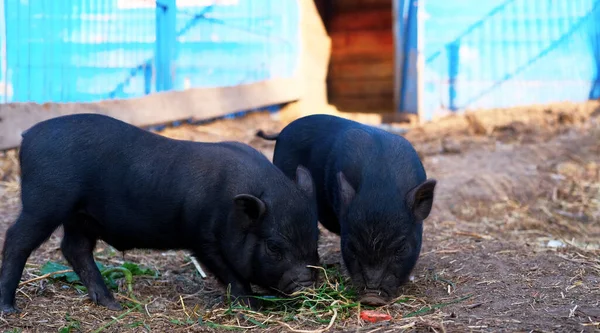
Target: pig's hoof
(112, 305)
(373, 300)
(9, 309)
(105, 300)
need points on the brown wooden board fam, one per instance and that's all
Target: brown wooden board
(368, 19)
(363, 104)
(366, 69)
(362, 45)
(354, 5)
(159, 108)
(382, 88)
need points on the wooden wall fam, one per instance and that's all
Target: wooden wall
(361, 69)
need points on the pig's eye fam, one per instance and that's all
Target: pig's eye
(274, 250)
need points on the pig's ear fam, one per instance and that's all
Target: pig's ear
(347, 192)
(250, 205)
(304, 180)
(420, 199)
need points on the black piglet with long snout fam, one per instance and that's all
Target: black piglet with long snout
(103, 179)
(371, 189)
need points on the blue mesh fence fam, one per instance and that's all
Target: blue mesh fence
(90, 50)
(509, 53)
(495, 53)
(228, 45)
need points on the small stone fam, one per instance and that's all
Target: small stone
(555, 243)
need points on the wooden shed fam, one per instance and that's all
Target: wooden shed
(365, 65)
(361, 68)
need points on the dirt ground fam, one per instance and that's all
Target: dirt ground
(512, 245)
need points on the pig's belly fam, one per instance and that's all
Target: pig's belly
(140, 233)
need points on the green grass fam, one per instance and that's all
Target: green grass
(127, 270)
(332, 301)
(334, 297)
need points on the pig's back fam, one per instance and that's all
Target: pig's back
(308, 141)
(318, 141)
(88, 157)
(312, 142)
(87, 143)
(249, 170)
(328, 144)
(369, 154)
(118, 173)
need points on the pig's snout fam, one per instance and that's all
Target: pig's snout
(373, 298)
(373, 278)
(297, 279)
(374, 293)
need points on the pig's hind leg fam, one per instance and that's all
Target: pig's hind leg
(77, 246)
(22, 238)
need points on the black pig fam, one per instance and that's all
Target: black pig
(371, 189)
(101, 178)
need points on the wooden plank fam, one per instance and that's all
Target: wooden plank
(398, 33)
(376, 3)
(363, 104)
(357, 5)
(356, 45)
(368, 19)
(3, 50)
(198, 103)
(382, 68)
(371, 88)
(345, 5)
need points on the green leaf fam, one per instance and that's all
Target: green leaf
(51, 267)
(110, 282)
(80, 288)
(70, 277)
(135, 269)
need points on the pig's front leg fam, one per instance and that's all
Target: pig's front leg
(240, 290)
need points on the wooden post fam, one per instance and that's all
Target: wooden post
(3, 66)
(148, 77)
(399, 41)
(412, 84)
(165, 43)
(452, 50)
